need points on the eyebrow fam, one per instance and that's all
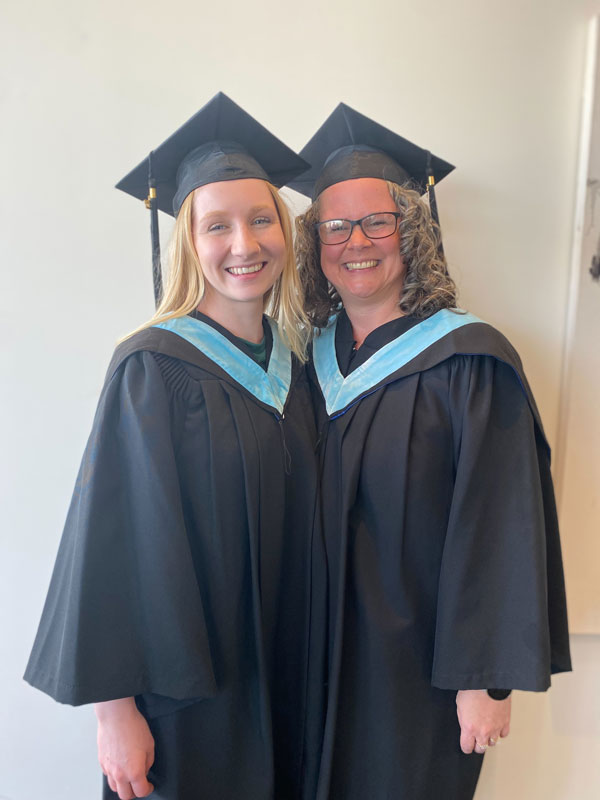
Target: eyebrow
(223, 213)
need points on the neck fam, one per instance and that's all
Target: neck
(365, 318)
(244, 321)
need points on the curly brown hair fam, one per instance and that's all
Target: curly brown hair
(427, 285)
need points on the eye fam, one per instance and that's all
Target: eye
(379, 225)
(216, 227)
(262, 221)
(376, 222)
(335, 225)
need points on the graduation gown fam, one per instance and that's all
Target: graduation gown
(441, 540)
(182, 576)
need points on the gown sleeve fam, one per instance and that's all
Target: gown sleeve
(123, 615)
(501, 619)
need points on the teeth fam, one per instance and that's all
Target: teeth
(352, 265)
(245, 270)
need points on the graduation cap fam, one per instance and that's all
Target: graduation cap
(349, 145)
(221, 142)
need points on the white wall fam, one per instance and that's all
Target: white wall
(577, 468)
(87, 88)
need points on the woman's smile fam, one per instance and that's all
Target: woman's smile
(244, 270)
(355, 265)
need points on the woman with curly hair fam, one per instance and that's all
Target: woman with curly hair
(179, 603)
(445, 585)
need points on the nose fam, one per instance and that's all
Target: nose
(357, 238)
(244, 242)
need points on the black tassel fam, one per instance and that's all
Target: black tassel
(154, 236)
(432, 201)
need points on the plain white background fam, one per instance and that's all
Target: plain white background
(88, 88)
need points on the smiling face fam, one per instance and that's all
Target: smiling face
(239, 242)
(365, 272)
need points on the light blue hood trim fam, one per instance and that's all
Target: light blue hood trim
(270, 387)
(339, 392)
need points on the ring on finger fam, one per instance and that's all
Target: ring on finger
(481, 746)
(493, 742)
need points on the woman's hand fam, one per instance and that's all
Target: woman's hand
(482, 720)
(125, 747)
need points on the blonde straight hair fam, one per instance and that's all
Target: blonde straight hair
(184, 288)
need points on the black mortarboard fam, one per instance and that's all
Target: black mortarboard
(219, 143)
(349, 145)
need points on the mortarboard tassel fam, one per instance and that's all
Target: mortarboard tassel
(432, 201)
(431, 190)
(151, 204)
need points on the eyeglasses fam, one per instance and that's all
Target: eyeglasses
(374, 226)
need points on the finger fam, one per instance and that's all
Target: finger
(480, 747)
(505, 730)
(111, 783)
(125, 791)
(467, 742)
(142, 787)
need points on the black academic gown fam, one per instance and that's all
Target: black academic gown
(441, 538)
(183, 572)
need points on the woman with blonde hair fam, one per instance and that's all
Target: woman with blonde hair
(179, 601)
(445, 580)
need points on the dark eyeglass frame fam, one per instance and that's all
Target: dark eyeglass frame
(353, 223)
